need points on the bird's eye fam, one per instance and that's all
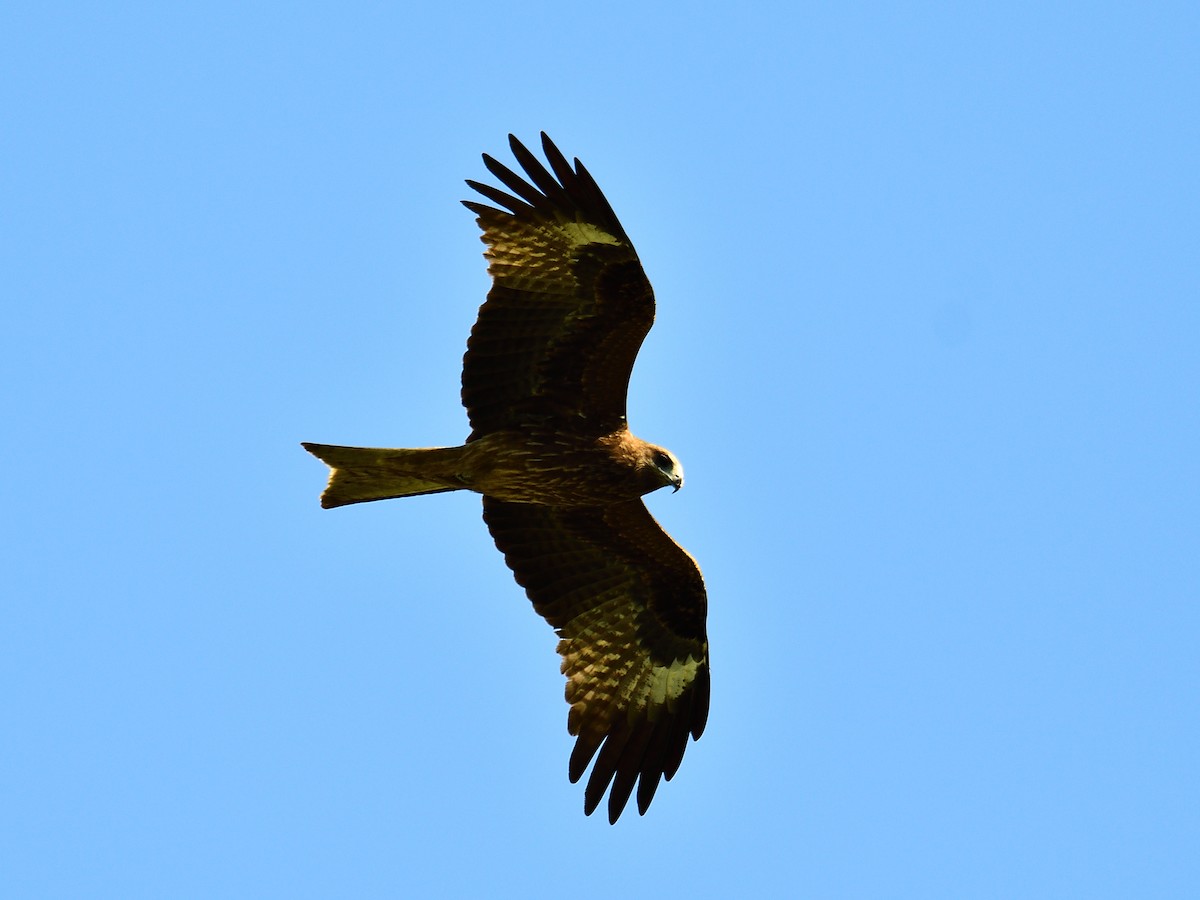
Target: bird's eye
(662, 461)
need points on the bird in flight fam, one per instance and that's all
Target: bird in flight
(544, 383)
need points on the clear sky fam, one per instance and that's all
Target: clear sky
(928, 345)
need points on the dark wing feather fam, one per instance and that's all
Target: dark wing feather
(630, 607)
(569, 304)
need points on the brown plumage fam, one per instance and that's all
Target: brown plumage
(544, 382)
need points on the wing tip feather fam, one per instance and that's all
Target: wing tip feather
(641, 752)
(566, 191)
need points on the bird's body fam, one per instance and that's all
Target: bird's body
(526, 465)
(544, 383)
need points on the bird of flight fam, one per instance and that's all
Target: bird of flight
(544, 383)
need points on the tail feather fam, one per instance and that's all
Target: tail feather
(359, 474)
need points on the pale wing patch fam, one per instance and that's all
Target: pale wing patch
(608, 669)
(581, 233)
(669, 682)
(540, 256)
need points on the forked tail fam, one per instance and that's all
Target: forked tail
(360, 474)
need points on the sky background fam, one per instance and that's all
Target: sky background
(928, 345)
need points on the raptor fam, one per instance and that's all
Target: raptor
(544, 383)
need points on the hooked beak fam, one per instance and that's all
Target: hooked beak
(676, 483)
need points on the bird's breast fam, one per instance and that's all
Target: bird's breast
(554, 468)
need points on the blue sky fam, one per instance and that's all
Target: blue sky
(927, 345)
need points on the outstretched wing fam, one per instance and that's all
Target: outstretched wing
(629, 606)
(569, 304)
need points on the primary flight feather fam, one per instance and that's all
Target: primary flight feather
(544, 382)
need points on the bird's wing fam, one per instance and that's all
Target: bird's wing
(569, 305)
(629, 606)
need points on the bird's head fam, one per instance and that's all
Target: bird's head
(662, 468)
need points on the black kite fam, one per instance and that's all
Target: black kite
(544, 382)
